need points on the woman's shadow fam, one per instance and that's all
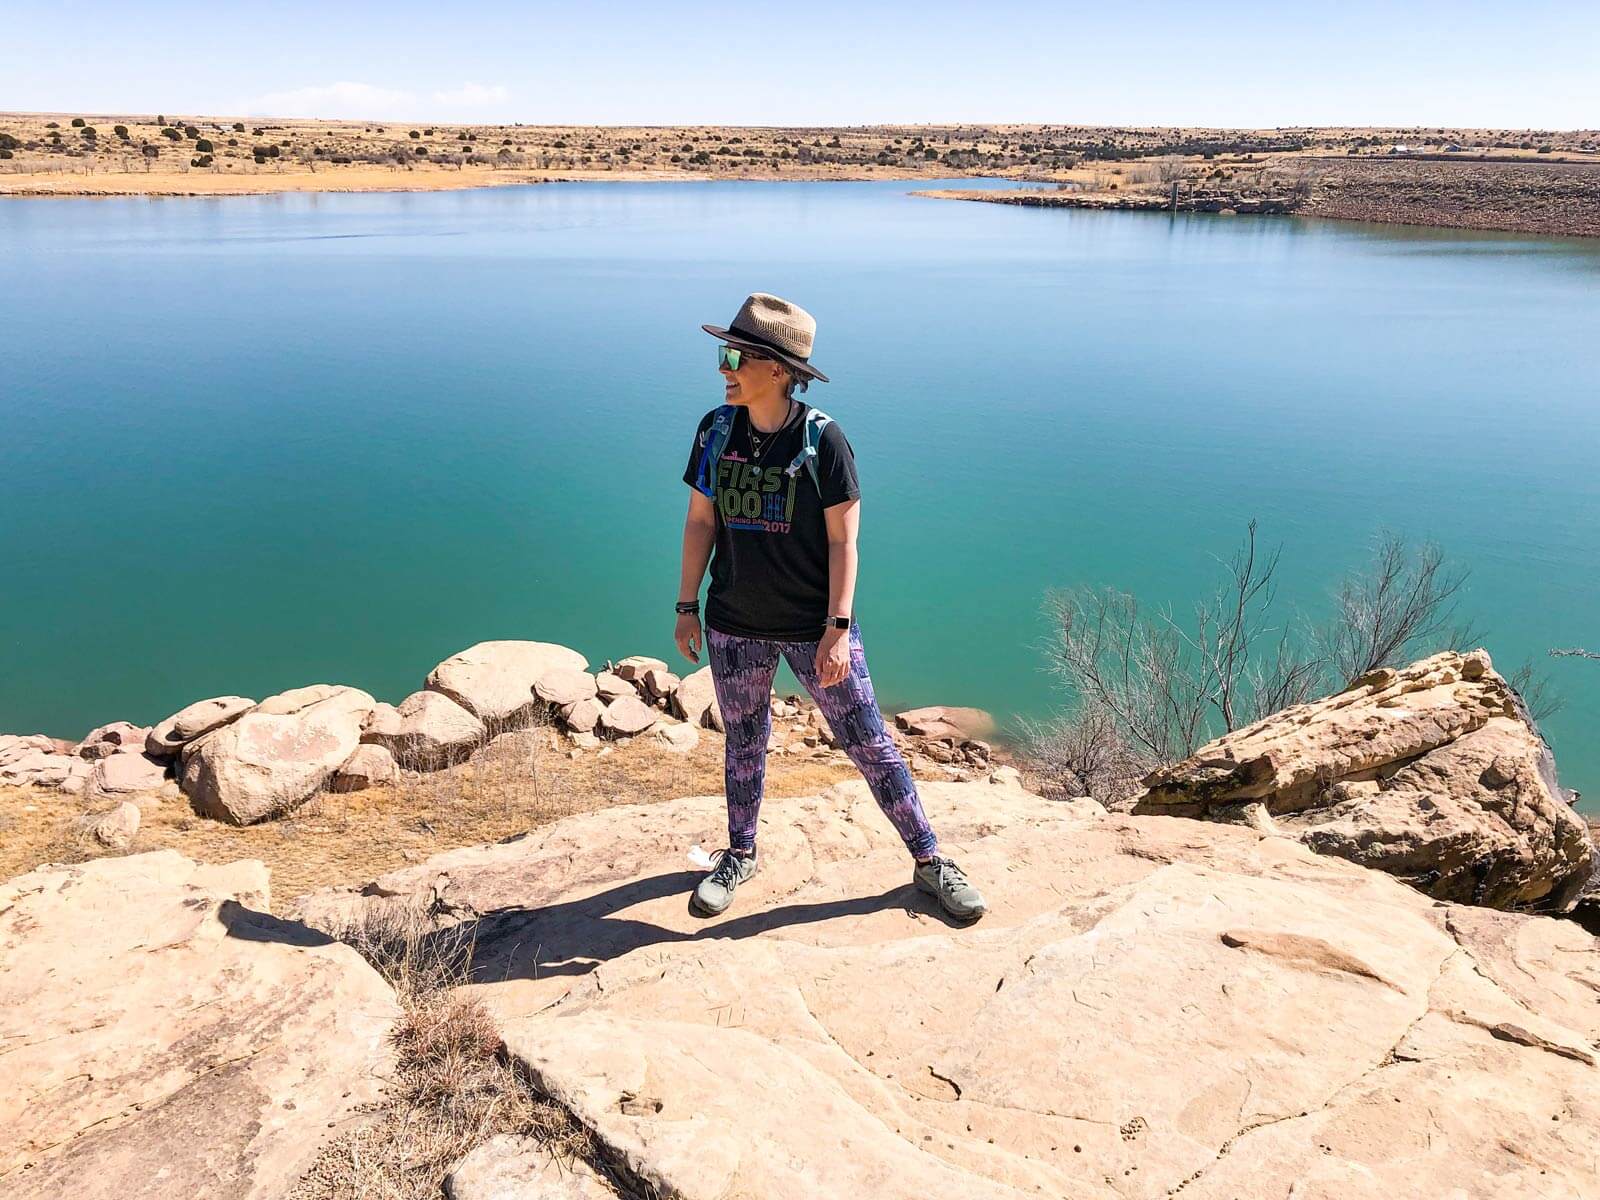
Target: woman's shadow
(575, 936)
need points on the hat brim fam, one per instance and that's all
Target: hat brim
(746, 342)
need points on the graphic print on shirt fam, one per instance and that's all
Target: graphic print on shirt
(751, 497)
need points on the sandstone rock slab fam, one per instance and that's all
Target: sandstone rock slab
(165, 1037)
(1431, 772)
(494, 681)
(834, 1035)
(508, 1167)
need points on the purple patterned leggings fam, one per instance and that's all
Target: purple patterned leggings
(742, 670)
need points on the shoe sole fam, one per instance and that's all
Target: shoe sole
(701, 910)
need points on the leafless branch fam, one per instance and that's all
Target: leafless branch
(1400, 601)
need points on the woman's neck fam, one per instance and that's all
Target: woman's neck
(768, 414)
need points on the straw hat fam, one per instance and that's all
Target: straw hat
(772, 326)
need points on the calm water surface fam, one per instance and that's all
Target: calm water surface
(253, 443)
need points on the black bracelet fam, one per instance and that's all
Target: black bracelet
(688, 606)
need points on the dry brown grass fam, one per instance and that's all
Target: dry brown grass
(354, 837)
(454, 1087)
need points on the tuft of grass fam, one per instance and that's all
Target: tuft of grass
(454, 1086)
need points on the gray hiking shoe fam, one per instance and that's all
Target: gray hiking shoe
(715, 891)
(942, 879)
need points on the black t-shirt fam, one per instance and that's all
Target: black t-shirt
(769, 570)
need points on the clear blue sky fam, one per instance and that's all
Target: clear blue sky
(1163, 62)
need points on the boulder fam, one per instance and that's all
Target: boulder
(369, 767)
(564, 686)
(124, 774)
(115, 829)
(627, 716)
(276, 756)
(677, 736)
(108, 739)
(942, 720)
(494, 680)
(634, 667)
(426, 732)
(1431, 772)
(610, 686)
(694, 697)
(659, 684)
(166, 1037)
(14, 745)
(1340, 1034)
(582, 716)
(77, 778)
(509, 1167)
(167, 737)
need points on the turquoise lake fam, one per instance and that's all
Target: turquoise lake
(258, 442)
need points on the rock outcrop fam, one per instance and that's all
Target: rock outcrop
(1152, 1008)
(161, 1036)
(277, 755)
(1432, 772)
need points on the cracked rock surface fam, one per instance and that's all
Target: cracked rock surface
(162, 1036)
(1153, 1007)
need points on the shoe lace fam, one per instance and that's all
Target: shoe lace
(726, 872)
(949, 875)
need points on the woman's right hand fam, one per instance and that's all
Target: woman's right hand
(688, 636)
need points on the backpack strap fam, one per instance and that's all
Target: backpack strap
(712, 441)
(816, 422)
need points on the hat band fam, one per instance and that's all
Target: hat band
(768, 343)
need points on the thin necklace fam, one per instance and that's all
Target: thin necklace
(759, 445)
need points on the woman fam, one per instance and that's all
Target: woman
(775, 493)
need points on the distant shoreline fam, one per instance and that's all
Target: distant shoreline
(1547, 199)
(1526, 181)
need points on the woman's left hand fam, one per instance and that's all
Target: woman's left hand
(833, 657)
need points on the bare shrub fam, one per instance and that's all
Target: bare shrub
(1146, 690)
(1386, 613)
(1537, 692)
(1084, 753)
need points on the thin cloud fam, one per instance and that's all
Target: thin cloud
(469, 94)
(360, 101)
(343, 99)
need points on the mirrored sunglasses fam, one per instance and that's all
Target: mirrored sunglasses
(729, 357)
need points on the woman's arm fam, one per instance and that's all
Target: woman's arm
(833, 655)
(699, 536)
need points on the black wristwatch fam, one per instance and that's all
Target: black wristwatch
(838, 622)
